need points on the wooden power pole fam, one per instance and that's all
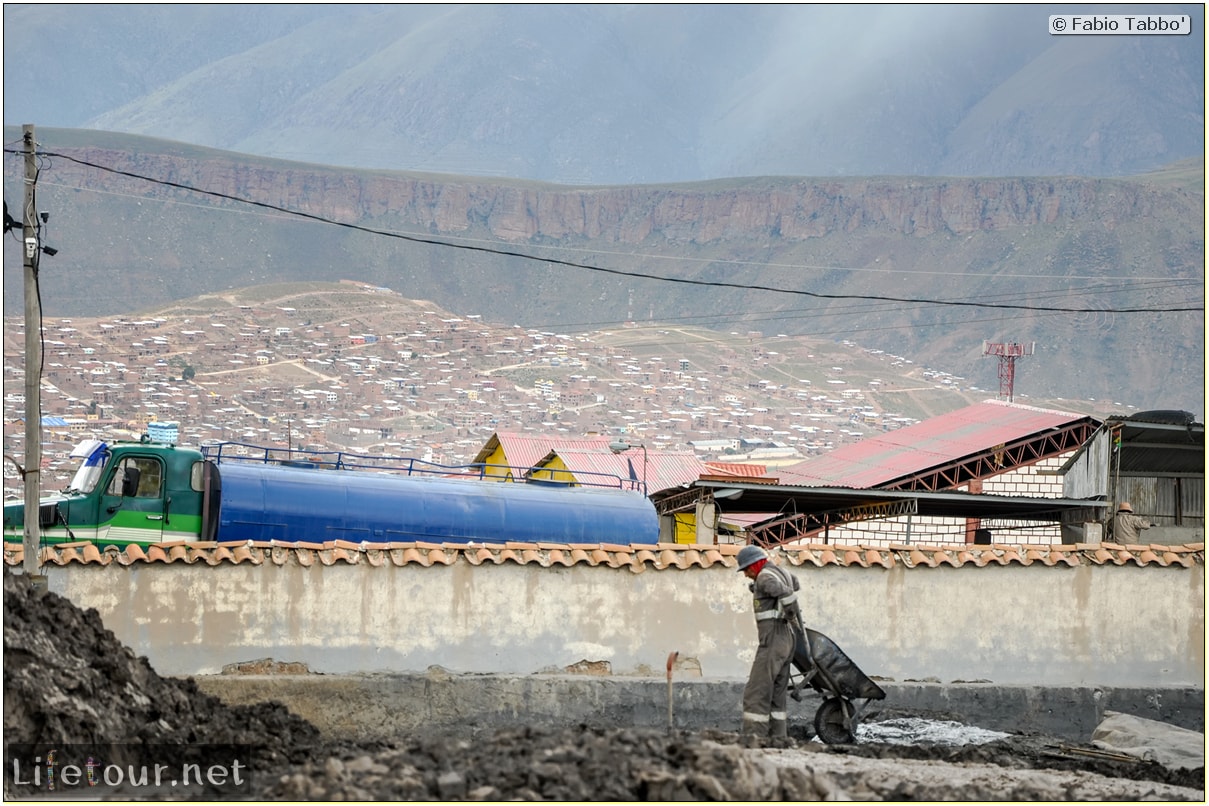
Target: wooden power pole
(33, 363)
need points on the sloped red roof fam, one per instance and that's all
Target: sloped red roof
(879, 460)
(663, 469)
(525, 450)
(736, 469)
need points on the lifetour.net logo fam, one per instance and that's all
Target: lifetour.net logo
(137, 772)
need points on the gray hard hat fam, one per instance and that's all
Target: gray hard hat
(749, 555)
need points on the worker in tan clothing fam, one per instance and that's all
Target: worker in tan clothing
(1126, 525)
(778, 624)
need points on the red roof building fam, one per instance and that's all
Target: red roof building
(993, 448)
(654, 469)
(509, 454)
(945, 452)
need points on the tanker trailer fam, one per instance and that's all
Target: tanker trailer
(151, 492)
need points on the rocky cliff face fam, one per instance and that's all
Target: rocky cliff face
(789, 209)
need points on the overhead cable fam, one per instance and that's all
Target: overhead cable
(605, 270)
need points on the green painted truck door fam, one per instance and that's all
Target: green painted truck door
(137, 516)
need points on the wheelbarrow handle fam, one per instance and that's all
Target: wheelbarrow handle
(804, 637)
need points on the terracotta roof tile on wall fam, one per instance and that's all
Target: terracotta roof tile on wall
(663, 556)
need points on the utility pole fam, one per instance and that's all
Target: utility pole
(33, 364)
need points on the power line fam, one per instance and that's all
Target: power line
(603, 270)
(1137, 283)
(709, 320)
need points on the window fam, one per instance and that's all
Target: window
(150, 476)
(197, 477)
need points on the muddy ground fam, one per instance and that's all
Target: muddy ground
(70, 685)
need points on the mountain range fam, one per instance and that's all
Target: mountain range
(620, 94)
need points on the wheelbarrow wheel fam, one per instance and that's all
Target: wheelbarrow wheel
(830, 719)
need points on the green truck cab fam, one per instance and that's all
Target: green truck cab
(122, 492)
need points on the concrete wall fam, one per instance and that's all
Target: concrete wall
(361, 707)
(1105, 625)
(1174, 535)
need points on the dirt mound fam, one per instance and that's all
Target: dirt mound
(621, 764)
(68, 680)
(550, 764)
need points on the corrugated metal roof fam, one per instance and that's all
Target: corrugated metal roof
(939, 440)
(589, 466)
(1160, 449)
(664, 469)
(527, 450)
(737, 469)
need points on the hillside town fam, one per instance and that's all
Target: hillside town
(399, 377)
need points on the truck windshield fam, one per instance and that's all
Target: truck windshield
(92, 454)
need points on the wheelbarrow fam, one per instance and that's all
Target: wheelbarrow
(847, 691)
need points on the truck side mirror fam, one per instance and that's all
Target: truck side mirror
(130, 482)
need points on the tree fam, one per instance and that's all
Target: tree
(188, 373)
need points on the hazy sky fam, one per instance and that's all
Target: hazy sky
(620, 93)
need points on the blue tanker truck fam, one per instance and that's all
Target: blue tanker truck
(148, 492)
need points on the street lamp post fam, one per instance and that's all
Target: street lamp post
(619, 446)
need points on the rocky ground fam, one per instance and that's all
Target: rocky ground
(70, 685)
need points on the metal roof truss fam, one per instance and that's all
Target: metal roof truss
(794, 527)
(683, 501)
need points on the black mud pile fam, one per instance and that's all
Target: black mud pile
(69, 681)
(625, 764)
(554, 764)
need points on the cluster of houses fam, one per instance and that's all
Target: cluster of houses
(437, 387)
(556, 407)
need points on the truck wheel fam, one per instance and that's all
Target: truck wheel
(829, 722)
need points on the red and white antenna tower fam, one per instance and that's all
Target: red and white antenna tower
(1008, 353)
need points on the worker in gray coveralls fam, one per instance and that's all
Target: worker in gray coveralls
(1126, 525)
(778, 620)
